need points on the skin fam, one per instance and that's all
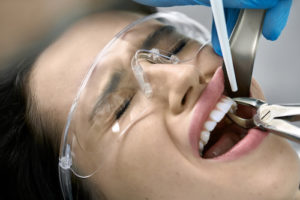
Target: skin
(154, 159)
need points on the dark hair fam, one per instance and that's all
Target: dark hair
(28, 165)
(28, 156)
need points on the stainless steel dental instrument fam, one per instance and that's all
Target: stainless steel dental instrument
(243, 43)
(270, 117)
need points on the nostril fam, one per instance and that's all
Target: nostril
(185, 96)
(201, 80)
(183, 100)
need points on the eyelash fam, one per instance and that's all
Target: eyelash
(179, 46)
(121, 110)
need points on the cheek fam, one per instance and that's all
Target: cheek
(144, 148)
(279, 172)
(145, 160)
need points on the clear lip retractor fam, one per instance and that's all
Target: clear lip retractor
(104, 106)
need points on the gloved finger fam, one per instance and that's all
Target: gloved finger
(276, 19)
(167, 3)
(252, 4)
(231, 16)
(258, 4)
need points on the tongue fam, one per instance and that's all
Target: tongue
(229, 138)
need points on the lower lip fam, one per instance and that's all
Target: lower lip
(250, 142)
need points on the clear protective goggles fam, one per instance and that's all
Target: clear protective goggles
(117, 79)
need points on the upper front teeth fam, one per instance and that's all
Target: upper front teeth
(205, 136)
(210, 125)
(216, 115)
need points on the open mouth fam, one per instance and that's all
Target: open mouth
(219, 134)
(214, 136)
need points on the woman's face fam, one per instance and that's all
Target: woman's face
(157, 158)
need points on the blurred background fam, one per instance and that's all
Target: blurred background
(26, 25)
(29, 25)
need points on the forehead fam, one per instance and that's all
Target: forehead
(59, 70)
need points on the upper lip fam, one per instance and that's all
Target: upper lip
(205, 104)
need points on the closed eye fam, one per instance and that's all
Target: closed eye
(122, 109)
(178, 47)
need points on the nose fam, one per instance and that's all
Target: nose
(179, 85)
(173, 84)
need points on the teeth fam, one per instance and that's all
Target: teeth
(224, 106)
(210, 125)
(201, 146)
(205, 136)
(216, 115)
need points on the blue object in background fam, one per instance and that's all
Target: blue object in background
(275, 19)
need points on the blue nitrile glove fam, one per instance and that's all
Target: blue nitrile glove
(275, 19)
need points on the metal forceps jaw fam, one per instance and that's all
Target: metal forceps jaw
(272, 118)
(251, 102)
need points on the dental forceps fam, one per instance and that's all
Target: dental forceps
(270, 117)
(243, 44)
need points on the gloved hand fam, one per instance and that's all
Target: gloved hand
(275, 19)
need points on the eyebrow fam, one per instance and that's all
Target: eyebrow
(152, 39)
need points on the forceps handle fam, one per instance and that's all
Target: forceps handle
(287, 112)
(243, 43)
(283, 129)
(294, 114)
